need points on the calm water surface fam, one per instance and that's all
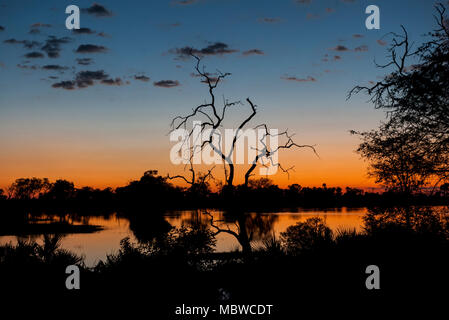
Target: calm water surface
(95, 246)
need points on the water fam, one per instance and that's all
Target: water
(95, 246)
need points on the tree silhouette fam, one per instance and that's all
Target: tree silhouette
(28, 188)
(415, 97)
(397, 159)
(212, 119)
(61, 190)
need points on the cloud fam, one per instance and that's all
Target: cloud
(54, 67)
(217, 48)
(357, 36)
(293, 78)
(253, 52)
(142, 78)
(381, 42)
(90, 48)
(213, 77)
(303, 1)
(2, 28)
(112, 82)
(26, 43)
(102, 34)
(34, 55)
(84, 79)
(362, 48)
(84, 61)
(184, 2)
(166, 83)
(68, 85)
(330, 10)
(270, 20)
(83, 31)
(336, 58)
(52, 46)
(13, 41)
(24, 66)
(348, 1)
(40, 25)
(97, 10)
(340, 48)
(35, 27)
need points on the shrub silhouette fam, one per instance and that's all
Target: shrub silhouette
(308, 235)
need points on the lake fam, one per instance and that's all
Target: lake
(95, 245)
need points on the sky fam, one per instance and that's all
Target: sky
(95, 106)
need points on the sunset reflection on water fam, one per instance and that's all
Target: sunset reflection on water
(97, 245)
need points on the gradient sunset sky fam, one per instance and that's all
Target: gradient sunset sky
(296, 60)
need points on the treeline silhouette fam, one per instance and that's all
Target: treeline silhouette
(155, 191)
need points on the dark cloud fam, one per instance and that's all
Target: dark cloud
(54, 67)
(381, 42)
(217, 48)
(292, 78)
(166, 83)
(84, 79)
(348, 1)
(2, 28)
(97, 10)
(357, 35)
(34, 31)
(25, 66)
(303, 1)
(13, 41)
(336, 58)
(184, 2)
(253, 52)
(142, 78)
(340, 48)
(26, 43)
(53, 44)
(83, 31)
(84, 61)
(102, 34)
(34, 55)
(330, 10)
(41, 25)
(112, 82)
(213, 77)
(362, 48)
(270, 20)
(90, 48)
(68, 85)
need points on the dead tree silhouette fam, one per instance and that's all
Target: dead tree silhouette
(247, 228)
(214, 117)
